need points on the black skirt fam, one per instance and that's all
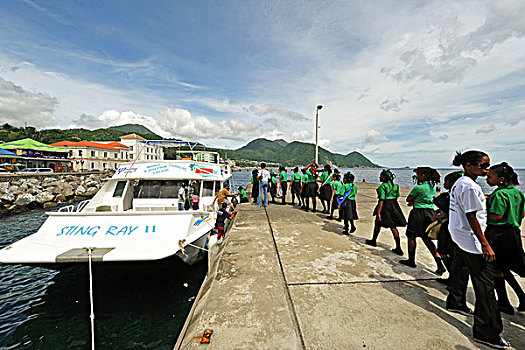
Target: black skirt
(255, 190)
(311, 189)
(418, 221)
(349, 210)
(325, 193)
(505, 241)
(391, 215)
(445, 244)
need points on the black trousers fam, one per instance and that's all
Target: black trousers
(284, 187)
(487, 319)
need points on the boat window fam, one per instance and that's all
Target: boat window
(159, 188)
(119, 189)
(194, 187)
(218, 186)
(207, 189)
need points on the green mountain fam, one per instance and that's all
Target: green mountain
(295, 153)
(136, 129)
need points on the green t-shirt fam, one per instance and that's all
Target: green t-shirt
(311, 177)
(387, 190)
(338, 187)
(296, 177)
(243, 193)
(347, 187)
(423, 195)
(283, 176)
(509, 202)
(304, 179)
(274, 180)
(325, 175)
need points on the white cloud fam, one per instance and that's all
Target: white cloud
(374, 137)
(325, 143)
(486, 129)
(19, 106)
(263, 109)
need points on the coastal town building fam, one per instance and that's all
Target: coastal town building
(139, 149)
(34, 154)
(89, 155)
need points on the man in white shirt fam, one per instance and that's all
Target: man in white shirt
(264, 177)
(182, 196)
(473, 255)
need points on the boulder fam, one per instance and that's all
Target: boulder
(13, 188)
(51, 189)
(44, 197)
(80, 190)
(90, 192)
(4, 187)
(49, 205)
(24, 199)
(7, 197)
(64, 189)
(48, 180)
(60, 198)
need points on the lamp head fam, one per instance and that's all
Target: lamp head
(319, 107)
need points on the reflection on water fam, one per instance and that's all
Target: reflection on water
(137, 306)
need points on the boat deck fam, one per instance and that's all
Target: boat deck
(287, 279)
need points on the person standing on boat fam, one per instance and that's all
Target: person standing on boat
(220, 223)
(295, 185)
(264, 177)
(283, 182)
(182, 196)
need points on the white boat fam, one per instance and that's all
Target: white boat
(133, 217)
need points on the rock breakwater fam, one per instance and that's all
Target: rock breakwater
(18, 194)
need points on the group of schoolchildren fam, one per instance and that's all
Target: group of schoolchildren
(477, 237)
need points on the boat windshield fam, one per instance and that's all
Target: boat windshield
(158, 188)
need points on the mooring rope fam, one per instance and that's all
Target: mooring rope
(92, 315)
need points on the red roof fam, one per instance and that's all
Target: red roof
(133, 136)
(85, 144)
(117, 144)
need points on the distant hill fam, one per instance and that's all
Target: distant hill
(296, 153)
(135, 129)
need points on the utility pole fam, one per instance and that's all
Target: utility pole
(317, 134)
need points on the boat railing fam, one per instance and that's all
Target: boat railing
(74, 208)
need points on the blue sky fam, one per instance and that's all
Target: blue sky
(405, 83)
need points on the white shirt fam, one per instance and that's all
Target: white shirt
(466, 196)
(182, 192)
(265, 174)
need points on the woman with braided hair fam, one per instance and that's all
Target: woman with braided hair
(421, 199)
(506, 207)
(387, 211)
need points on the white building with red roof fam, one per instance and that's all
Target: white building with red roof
(140, 149)
(89, 155)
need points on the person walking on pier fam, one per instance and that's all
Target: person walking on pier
(273, 186)
(295, 186)
(505, 208)
(264, 177)
(311, 186)
(421, 199)
(325, 192)
(387, 211)
(337, 192)
(466, 221)
(283, 182)
(304, 185)
(347, 203)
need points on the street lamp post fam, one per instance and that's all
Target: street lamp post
(317, 134)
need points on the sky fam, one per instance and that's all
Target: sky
(406, 83)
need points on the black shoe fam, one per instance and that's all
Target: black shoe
(397, 251)
(353, 229)
(497, 344)
(506, 308)
(466, 311)
(440, 270)
(345, 232)
(408, 262)
(330, 217)
(443, 281)
(314, 211)
(371, 242)
(339, 219)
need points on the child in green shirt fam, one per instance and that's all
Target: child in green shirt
(295, 185)
(505, 208)
(348, 206)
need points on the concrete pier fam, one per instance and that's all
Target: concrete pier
(288, 279)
